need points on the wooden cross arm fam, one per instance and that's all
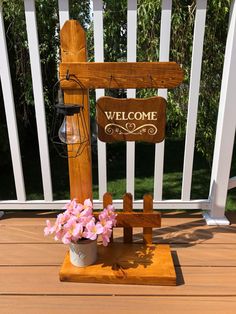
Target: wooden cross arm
(121, 75)
(133, 219)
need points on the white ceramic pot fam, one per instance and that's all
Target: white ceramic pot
(83, 253)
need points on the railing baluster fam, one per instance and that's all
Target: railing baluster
(225, 131)
(199, 30)
(164, 56)
(31, 26)
(99, 57)
(131, 93)
(63, 6)
(10, 114)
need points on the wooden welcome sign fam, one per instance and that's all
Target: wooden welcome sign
(137, 119)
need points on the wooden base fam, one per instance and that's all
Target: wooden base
(125, 264)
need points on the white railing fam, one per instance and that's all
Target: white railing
(198, 40)
(164, 56)
(215, 204)
(31, 27)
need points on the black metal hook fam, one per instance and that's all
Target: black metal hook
(67, 75)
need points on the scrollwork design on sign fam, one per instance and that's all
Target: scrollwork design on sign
(130, 129)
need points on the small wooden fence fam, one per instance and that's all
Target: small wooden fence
(128, 219)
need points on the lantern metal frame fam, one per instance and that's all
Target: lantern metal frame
(71, 111)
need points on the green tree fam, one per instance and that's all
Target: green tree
(48, 30)
(115, 41)
(183, 15)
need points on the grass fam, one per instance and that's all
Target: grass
(144, 169)
(172, 180)
(116, 168)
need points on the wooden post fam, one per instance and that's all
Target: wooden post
(147, 208)
(128, 207)
(73, 49)
(107, 199)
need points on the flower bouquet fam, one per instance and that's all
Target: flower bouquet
(78, 227)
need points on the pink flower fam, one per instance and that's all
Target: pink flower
(77, 232)
(77, 209)
(66, 239)
(87, 213)
(109, 214)
(106, 236)
(92, 230)
(88, 204)
(59, 235)
(61, 220)
(70, 205)
(48, 229)
(77, 222)
(68, 229)
(104, 220)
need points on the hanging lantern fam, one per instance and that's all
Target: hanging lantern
(69, 132)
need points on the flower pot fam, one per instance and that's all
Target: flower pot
(83, 253)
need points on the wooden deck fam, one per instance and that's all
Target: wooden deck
(204, 257)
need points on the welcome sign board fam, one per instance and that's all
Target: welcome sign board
(131, 119)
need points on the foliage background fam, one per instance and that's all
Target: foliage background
(115, 38)
(115, 41)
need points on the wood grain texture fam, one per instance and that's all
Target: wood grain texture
(138, 119)
(180, 230)
(136, 219)
(147, 208)
(128, 207)
(125, 304)
(122, 74)
(125, 264)
(28, 254)
(73, 49)
(107, 199)
(192, 281)
(204, 258)
(173, 218)
(185, 255)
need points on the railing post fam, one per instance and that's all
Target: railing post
(164, 52)
(9, 105)
(99, 57)
(131, 93)
(225, 132)
(37, 82)
(198, 41)
(63, 6)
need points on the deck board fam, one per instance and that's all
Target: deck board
(204, 258)
(182, 233)
(37, 217)
(215, 281)
(46, 254)
(116, 304)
